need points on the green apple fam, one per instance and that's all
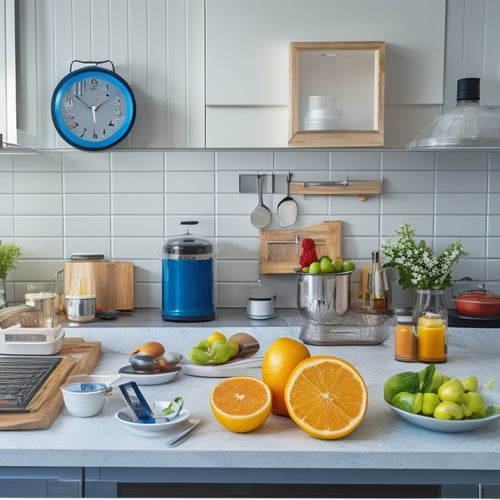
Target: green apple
(429, 403)
(326, 265)
(451, 390)
(347, 265)
(337, 265)
(407, 401)
(472, 402)
(315, 268)
(470, 384)
(448, 410)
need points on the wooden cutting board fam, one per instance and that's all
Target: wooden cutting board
(279, 250)
(80, 358)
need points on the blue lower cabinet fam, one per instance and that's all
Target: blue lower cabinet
(41, 482)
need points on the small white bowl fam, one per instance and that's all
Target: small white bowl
(128, 420)
(84, 399)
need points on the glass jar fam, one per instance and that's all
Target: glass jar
(405, 341)
(430, 316)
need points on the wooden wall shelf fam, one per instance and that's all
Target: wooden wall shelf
(362, 189)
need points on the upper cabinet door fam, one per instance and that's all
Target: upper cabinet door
(157, 46)
(247, 63)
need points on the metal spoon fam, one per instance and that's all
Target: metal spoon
(141, 362)
(261, 216)
(179, 438)
(287, 207)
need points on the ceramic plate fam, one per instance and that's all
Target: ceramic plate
(436, 424)
(128, 420)
(230, 369)
(144, 378)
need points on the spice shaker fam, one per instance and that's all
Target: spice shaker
(379, 293)
(405, 340)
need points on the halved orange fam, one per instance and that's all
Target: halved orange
(326, 397)
(241, 404)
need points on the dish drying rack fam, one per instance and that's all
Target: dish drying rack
(21, 333)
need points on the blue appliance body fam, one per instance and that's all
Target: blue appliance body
(187, 280)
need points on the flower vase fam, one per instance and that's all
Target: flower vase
(3, 293)
(430, 316)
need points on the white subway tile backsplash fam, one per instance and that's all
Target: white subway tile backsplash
(38, 204)
(137, 182)
(135, 204)
(37, 182)
(6, 182)
(79, 226)
(125, 204)
(96, 245)
(256, 161)
(301, 160)
(460, 226)
(190, 182)
(137, 161)
(189, 204)
(85, 162)
(462, 160)
(87, 204)
(189, 160)
(86, 182)
(410, 203)
(41, 226)
(6, 204)
(368, 160)
(455, 203)
(421, 181)
(461, 182)
(137, 225)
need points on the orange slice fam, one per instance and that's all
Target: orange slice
(326, 397)
(241, 404)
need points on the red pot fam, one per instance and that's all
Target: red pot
(480, 303)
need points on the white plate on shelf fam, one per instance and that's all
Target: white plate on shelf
(148, 378)
(230, 369)
(128, 420)
(439, 425)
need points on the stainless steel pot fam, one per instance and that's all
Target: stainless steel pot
(80, 308)
(324, 298)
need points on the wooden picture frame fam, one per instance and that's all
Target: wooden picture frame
(336, 94)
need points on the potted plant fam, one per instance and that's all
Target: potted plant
(9, 255)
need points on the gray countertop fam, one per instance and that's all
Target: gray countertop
(382, 441)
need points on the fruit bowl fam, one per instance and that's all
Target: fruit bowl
(439, 425)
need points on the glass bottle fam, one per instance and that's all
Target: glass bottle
(405, 341)
(379, 297)
(430, 316)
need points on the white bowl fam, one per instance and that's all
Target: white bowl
(437, 424)
(84, 399)
(126, 417)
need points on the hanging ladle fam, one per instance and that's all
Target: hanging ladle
(287, 207)
(261, 216)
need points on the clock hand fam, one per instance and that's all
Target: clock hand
(94, 109)
(82, 101)
(104, 102)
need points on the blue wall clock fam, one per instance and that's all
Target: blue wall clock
(93, 108)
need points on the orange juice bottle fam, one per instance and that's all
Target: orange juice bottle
(431, 338)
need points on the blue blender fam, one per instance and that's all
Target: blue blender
(187, 278)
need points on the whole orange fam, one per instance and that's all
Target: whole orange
(282, 356)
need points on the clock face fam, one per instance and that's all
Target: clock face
(93, 108)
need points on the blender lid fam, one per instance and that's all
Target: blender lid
(187, 245)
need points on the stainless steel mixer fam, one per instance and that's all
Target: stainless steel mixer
(324, 302)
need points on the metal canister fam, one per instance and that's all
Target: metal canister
(187, 278)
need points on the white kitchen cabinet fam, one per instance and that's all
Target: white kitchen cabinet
(247, 59)
(7, 71)
(156, 45)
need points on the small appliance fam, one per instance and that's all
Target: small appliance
(187, 278)
(261, 300)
